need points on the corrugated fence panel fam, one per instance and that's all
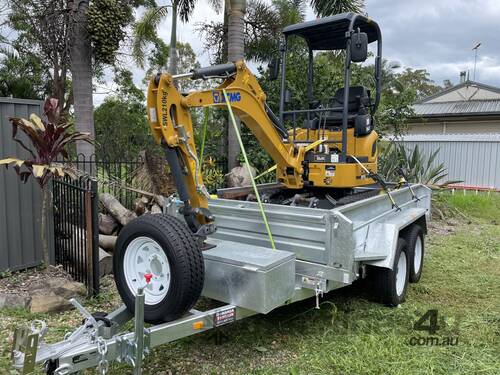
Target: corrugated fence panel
(471, 158)
(20, 204)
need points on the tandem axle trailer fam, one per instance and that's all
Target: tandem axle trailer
(319, 250)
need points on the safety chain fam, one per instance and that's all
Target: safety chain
(102, 349)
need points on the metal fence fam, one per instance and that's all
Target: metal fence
(20, 204)
(471, 158)
(117, 176)
(112, 175)
(76, 232)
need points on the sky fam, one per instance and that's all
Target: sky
(436, 35)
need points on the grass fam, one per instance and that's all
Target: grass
(350, 334)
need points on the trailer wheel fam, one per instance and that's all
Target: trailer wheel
(163, 246)
(415, 240)
(391, 285)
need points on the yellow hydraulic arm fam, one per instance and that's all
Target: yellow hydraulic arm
(171, 125)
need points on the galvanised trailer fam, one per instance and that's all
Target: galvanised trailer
(318, 251)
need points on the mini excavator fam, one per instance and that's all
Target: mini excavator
(326, 149)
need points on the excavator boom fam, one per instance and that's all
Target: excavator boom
(171, 125)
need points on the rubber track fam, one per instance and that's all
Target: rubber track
(357, 197)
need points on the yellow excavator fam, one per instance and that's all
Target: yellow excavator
(326, 149)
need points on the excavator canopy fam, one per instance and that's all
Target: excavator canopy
(330, 33)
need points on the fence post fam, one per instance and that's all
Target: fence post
(95, 237)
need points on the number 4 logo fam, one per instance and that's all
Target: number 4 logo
(432, 327)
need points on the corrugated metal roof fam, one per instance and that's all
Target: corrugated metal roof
(470, 107)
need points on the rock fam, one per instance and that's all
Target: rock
(60, 287)
(156, 209)
(161, 200)
(239, 176)
(14, 301)
(48, 303)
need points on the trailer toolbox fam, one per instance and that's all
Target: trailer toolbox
(256, 278)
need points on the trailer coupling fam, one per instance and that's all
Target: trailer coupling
(97, 342)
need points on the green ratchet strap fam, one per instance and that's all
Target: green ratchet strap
(376, 177)
(204, 133)
(238, 135)
(275, 166)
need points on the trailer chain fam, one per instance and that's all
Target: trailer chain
(318, 291)
(102, 349)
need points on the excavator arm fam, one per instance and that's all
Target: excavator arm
(171, 125)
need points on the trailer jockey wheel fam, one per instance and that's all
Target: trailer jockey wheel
(163, 248)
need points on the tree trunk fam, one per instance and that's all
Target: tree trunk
(107, 224)
(235, 52)
(81, 70)
(116, 209)
(45, 242)
(172, 64)
(107, 242)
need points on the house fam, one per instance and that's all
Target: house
(467, 108)
(462, 123)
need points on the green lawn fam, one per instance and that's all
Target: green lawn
(350, 334)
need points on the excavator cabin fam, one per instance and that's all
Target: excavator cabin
(345, 121)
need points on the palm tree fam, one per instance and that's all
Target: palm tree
(145, 28)
(235, 52)
(81, 72)
(330, 7)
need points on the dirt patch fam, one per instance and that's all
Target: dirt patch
(444, 227)
(23, 282)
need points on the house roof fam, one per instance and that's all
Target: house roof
(468, 98)
(469, 107)
(462, 85)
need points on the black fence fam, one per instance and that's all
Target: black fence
(76, 232)
(120, 177)
(76, 210)
(112, 176)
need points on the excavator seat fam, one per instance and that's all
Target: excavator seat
(359, 101)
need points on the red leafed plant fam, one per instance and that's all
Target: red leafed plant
(49, 140)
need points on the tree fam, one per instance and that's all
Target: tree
(22, 78)
(72, 40)
(158, 60)
(122, 130)
(235, 52)
(98, 27)
(81, 70)
(329, 7)
(49, 140)
(145, 30)
(42, 31)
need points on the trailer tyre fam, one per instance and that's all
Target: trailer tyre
(415, 240)
(391, 285)
(163, 246)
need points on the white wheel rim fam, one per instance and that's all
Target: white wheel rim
(144, 255)
(417, 261)
(401, 274)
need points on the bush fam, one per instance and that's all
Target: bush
(415, 165)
